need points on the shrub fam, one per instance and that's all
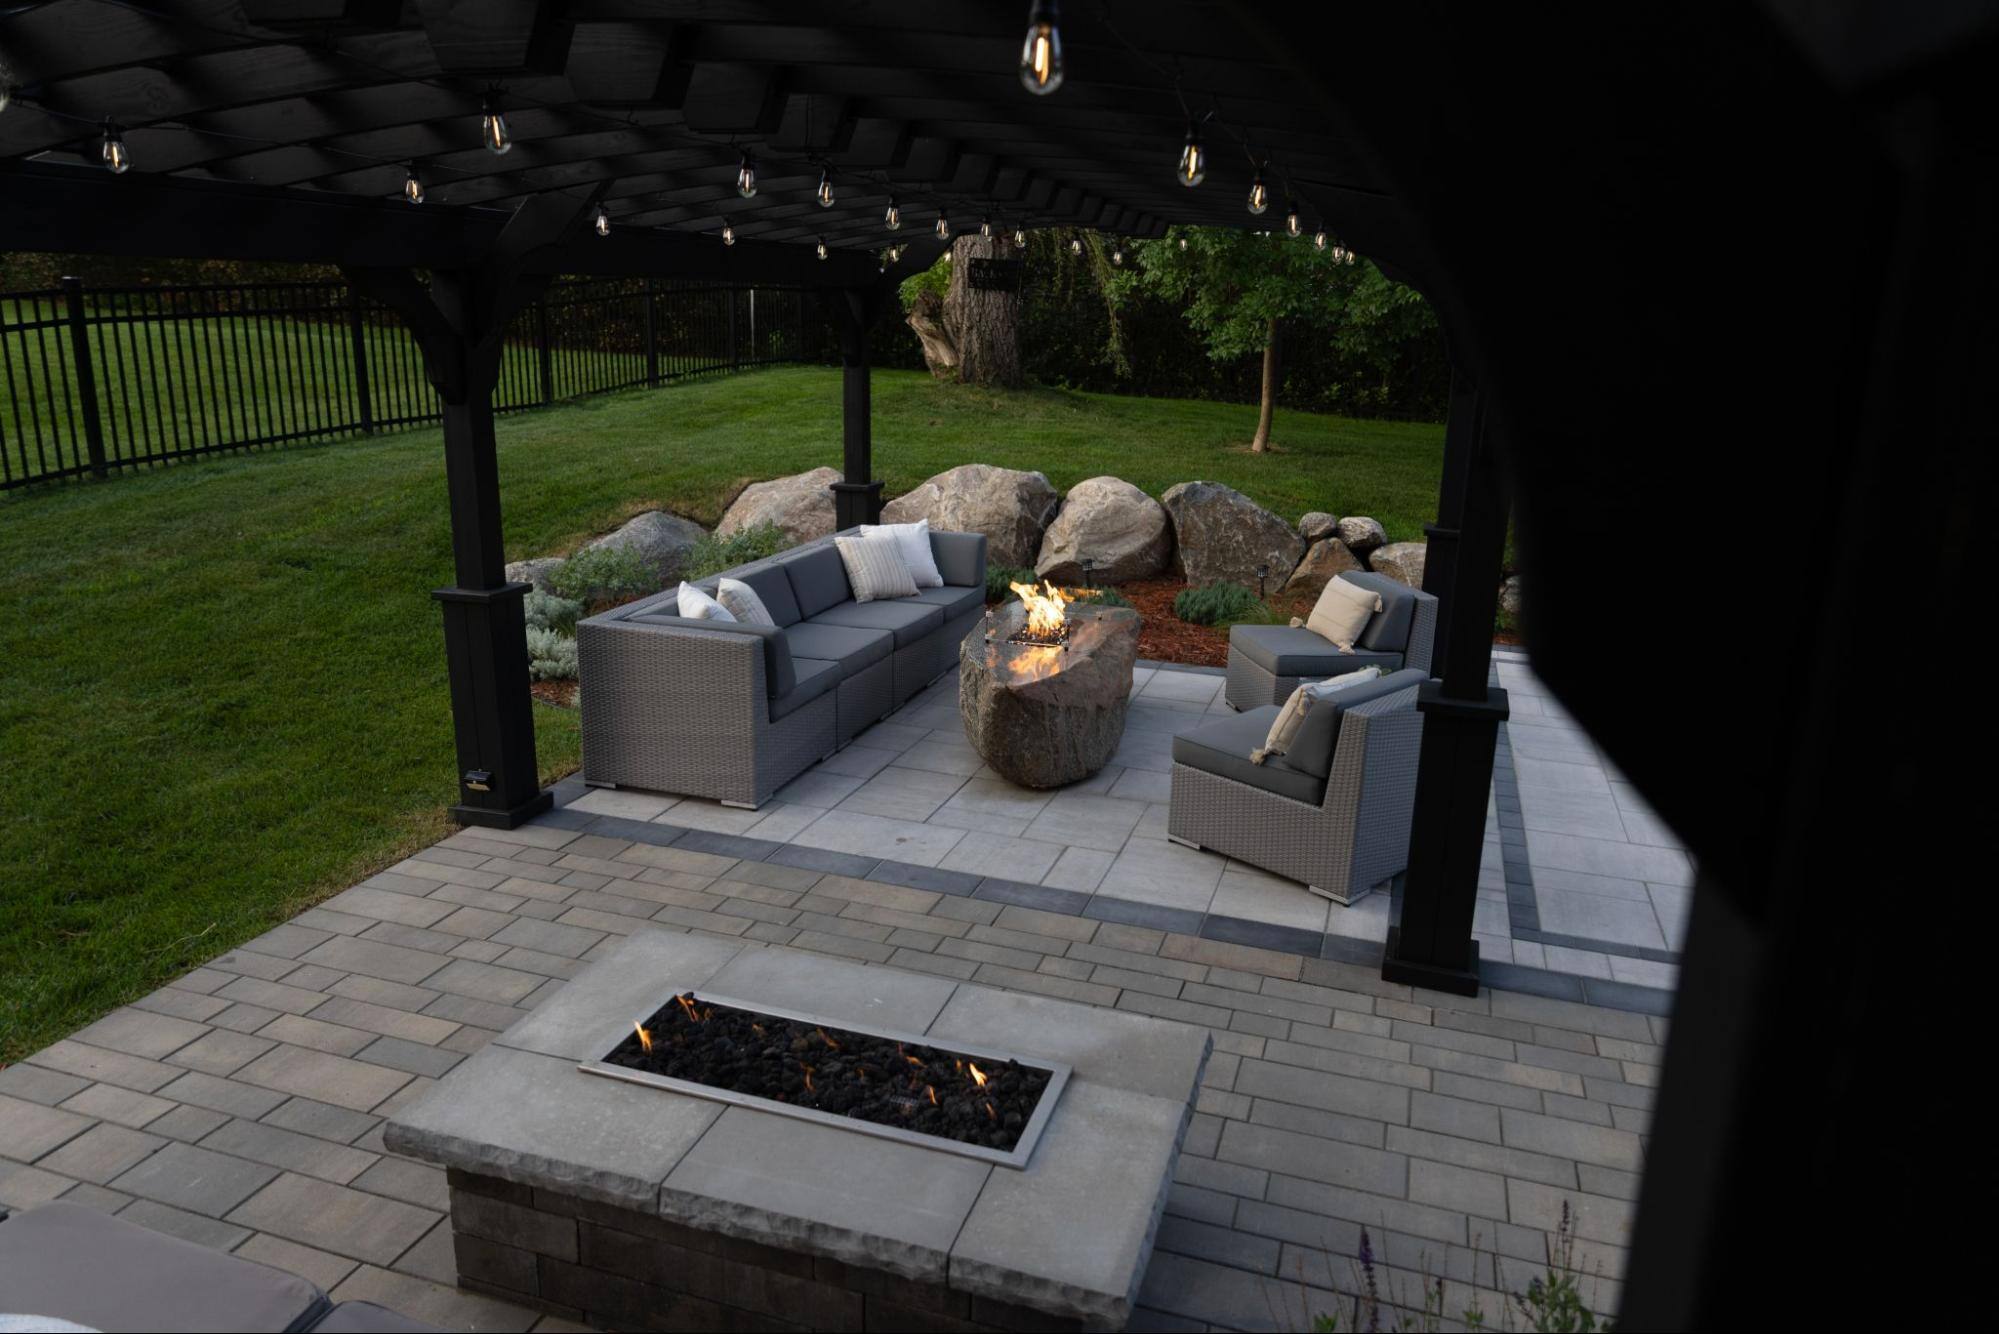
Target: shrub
(1103, 597)
(615, 573)
(999, 576)
(715, 553)
(1211, 604)
(551, 656)
(546, 611)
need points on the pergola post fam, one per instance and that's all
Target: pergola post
(857, 497)
(1432, 945)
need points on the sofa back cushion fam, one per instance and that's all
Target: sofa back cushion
(818, 579)
(1318, 735)
(773, 585)
(1388, 631)
(961, 557)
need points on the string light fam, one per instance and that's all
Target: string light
(1193, 168)
(825, 192)
(493, 125)
(746, 178)
(892, 218)
(943, 224)
(1041, 52)
(728, 234)
(1259, 194)
(986, 228)
(1319, 239)
(1346, 256)
(413, 186)
(1183, 243)
(113, 150)
(1291, 217)
(820, 249)
(603, 221)
(1117, 255)
(1020, 237)
(1075, 245)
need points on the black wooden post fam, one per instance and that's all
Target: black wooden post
(357, 329)
(86, 374)
(547, 352)
(652, 336)
(857, 497)
(1432, 945)
(1440, 559)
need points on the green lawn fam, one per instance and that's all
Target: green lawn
(223, 692)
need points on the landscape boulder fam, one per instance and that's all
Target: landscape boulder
(1010, 507)
(1509, 595)
(537, 571)
(1361, 534)
(1326, 558)
(661, 539)
(800, 505)
(1221, 534)
(1110, 522)
(1400, 561)
(1317, 526)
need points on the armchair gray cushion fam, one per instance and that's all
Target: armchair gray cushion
(955, 600)
(850, 647)
(1222, 748)
(1388, 629)
(961, 558)
(908, 619)
(779, 676)
(1292, 650)
(818, 579)
(815, 678)
(1312, 750)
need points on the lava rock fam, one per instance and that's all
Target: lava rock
(1221, 534)
(800, 505)
(1010, 507)
(1112, 523)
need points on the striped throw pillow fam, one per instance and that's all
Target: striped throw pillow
(741, 601)
(875, 567)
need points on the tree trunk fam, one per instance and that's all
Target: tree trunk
(1260, 444)
(940, 354)
(984, 322)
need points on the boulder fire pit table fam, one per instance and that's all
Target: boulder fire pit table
(1043, 692)
(588, 1179)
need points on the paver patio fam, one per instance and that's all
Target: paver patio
(241, 1105)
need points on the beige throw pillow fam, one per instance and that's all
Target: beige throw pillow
(1342, 612)
(875, 567)
(741, 601)
(1285, 726)
(697, 605)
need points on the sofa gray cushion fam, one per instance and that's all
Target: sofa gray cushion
(961, 557)
(1223, 748)
(368, 1318)
(1388, 629)
(1292, 650)
(773, 585)
(1312, 749)
(815, 678)
(908, 619)
(84, 1266)
(818, 579)
(851, 647)
(955, 600)
(779, 676)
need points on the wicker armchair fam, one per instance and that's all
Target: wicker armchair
(1268, 662)
(1341, 829)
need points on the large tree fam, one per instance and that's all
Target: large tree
(1241, 291)
(970, 330)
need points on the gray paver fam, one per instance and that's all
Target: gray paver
(333, 1218)
(637, 978)
(200, 1181)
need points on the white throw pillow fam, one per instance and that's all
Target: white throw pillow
(1342, 612)
(697, 605)
(742, 603)
(1284, 727)
(875, 568)
(914, 541)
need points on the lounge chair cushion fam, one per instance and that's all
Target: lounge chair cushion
(853, 648)
(80, 1265)
(1312, 748)
(1223, 747)
(956, 600)
(1388, 631)
(906, 618)
(961, 557)
(818, 579)
(815, 678)
(368, 1318)
(1292, 650)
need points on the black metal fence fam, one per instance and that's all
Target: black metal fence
(97, 379)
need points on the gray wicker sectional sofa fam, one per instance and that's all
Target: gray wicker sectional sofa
(732, 711)
(1268, 662)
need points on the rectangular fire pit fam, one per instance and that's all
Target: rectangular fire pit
(632, 1197)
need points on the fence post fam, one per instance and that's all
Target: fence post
(733, 294)
(547, 353)
(358, 328)
(652, 340)
(798, 352)
(86, 375)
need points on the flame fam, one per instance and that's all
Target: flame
(645, 1038)
(808, 1080)
(991, 1114)
(933, 1094)
(978, 1076)
(688, 1005)
(757, 1028)
(1044, 610)
(828, 1041)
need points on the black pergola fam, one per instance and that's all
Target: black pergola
(1702, 273)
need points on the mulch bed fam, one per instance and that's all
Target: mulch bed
(562, 694)
(1167, 638)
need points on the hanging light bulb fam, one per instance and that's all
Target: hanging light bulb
(986, 228)
(113, 151)
(1193, 168)
(892, 218)
(603, 221)
(1041, 52)
(1183, 243)
(746, 178)
(1319, 238)
(1117, 255)
(1020, 237)
(1259, 194)
(825, 192)
(1291, 223)
(943, 224)
(820, 249)
(413, 186)
(493, 126)
(1346, 256)
(728, 234)
(1075, 245)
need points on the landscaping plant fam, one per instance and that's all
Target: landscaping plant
(604, 576)
(1212, 604)
(714, 553)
